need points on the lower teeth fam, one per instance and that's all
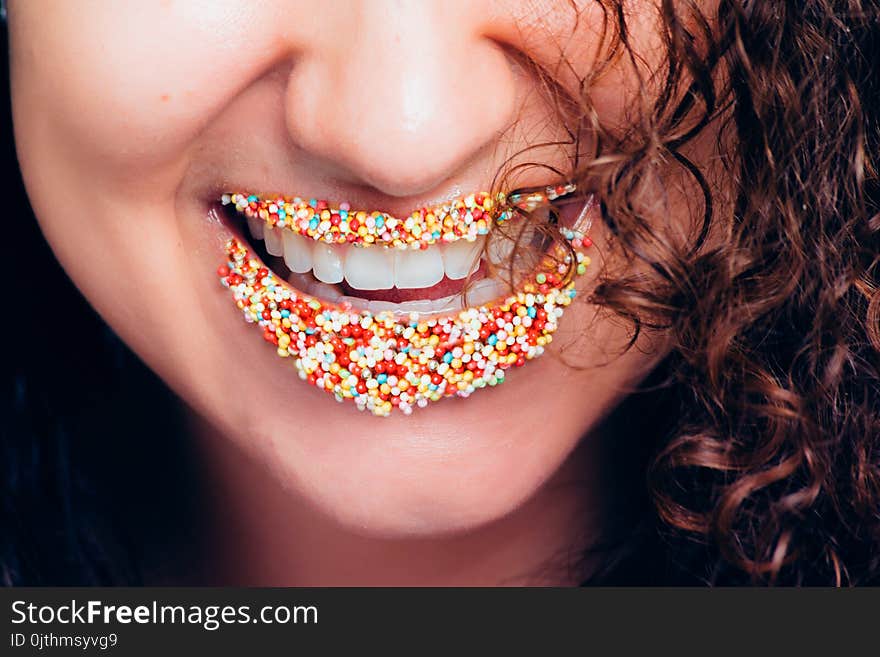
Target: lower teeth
(479, 293)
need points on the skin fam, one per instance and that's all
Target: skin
(128, 128)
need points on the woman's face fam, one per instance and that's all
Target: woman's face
(132, 119)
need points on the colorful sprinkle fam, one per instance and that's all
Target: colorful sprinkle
(464, 218)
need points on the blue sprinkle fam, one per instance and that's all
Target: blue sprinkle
(313, 202)
(313, 223)
(380, 221)
(281, 213)
(447, 357)
(572, 293)
(252, 199)
(492, 339)
(532, 311)
(382, 378)
(285, 314)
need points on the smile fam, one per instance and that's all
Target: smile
(397, 313)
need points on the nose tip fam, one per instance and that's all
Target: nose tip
(398, 109)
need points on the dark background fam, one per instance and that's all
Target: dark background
(87, 430)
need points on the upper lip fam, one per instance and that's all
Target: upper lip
(462, 218)
(449, 216)
(359, 197)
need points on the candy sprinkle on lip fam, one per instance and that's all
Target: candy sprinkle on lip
(382, 363)
(463, 218)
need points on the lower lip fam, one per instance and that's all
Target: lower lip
(382, 362)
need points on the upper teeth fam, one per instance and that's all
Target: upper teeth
(371, 267)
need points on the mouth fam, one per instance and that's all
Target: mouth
(397, 313)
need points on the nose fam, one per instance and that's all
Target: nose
(406, 96)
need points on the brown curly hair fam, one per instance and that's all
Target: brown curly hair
(772, 466)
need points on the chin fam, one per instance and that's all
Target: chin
(451, 468)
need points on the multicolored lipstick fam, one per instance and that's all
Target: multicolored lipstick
(463, 218)
(382, 361)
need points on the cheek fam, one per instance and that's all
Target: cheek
(103, 141)
(126, 90)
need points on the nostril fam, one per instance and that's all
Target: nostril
(402, 119)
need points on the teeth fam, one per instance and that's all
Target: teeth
(324, 291)
(370, 268)
(462, 258)
(274, 241)
(326, 263)
(503, 242)
(316, 288)
(485, 291)
(415, 268)
(297, 252)
(448, 304)
(424, 307)
(255, 225)
(500, 249)
(380, 268)
(373, 268)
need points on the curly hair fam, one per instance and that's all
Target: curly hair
(772, 465)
